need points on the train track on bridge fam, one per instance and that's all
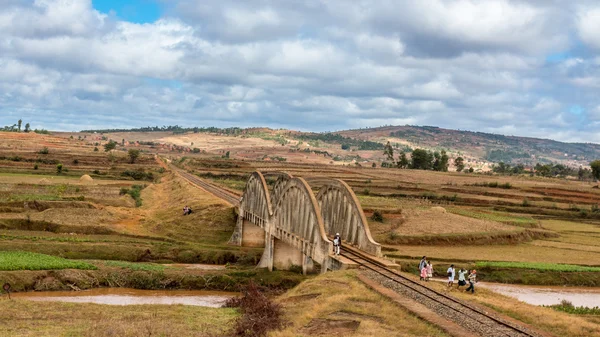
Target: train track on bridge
(460, 312)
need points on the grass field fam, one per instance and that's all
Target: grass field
(22, 318)
(314, 303)
(32, 261)
(543, 318)
(537, 266)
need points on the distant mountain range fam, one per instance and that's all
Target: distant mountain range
(482, 146)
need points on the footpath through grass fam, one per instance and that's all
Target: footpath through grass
(538, 266)
(18, 260)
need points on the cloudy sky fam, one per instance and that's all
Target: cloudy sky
(529, 68)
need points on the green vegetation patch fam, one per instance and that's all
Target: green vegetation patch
(568, 307)
(135, 266)
(538, 266)
(19, 260)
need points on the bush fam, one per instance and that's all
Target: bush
(96, 171)
(138, 175)
(35, 167)
(526, 203)
(59, 168)
(377, 216)
(259, 313)
(75, 161)
(44, 151)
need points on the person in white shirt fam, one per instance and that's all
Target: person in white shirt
(462, 280)
(451, 273)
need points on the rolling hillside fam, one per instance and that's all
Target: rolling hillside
(483, 146)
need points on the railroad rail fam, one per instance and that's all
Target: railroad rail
(462, 313)
(217, 191)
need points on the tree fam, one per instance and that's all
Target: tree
(59, 168)
(471, 170)
(27, 127)
(388, 152)
(19, 123)
(421, 160)
(111, 145)
(133, 155)
(403, 161)
(595, 165)
(123, 142)
(459, 162)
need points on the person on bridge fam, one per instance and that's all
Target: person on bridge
(337, 243)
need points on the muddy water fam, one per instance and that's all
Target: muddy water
(121, 296)
(586, 297)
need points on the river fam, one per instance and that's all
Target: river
(124, 296)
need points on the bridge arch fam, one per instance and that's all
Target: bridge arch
(342, 213)
(299, 221)
(256, 204)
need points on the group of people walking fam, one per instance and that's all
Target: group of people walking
(426, 272)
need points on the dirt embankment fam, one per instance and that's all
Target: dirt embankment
(497, 238)
(70, 279)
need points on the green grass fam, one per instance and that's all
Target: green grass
(135, 266)
(523, 221)
(538, 266)
(19, 260)
(568, 307)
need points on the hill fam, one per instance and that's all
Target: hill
(482, 146)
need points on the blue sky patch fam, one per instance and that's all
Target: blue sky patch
(138, 11)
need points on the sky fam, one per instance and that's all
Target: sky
(514, 67)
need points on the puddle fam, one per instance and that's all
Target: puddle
(579, 296)
(123, 296)
(197, 266)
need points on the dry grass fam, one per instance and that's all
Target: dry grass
(26, 318)
(547, 319)
(340, 296)
(437, 221)
(212, 220)
(518, 253)
(570, 226)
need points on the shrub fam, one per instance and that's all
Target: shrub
(138, 175)
(35, 167)
(44, 151)
(595, 208)
(95, 149)
(526, 203)
(96, 171)
(377, 216)
(59, 168)
(75, 161)
(259, 313)
(366, 191)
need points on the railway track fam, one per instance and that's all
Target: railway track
(215, 190)
(460, 312)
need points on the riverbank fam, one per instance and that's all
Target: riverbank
(524, 276)
(135, 276)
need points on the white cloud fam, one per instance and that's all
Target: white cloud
(319, 65)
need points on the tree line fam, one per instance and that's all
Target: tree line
(420, 160)
(173, 128)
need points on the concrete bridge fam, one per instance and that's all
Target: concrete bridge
(295, 227)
